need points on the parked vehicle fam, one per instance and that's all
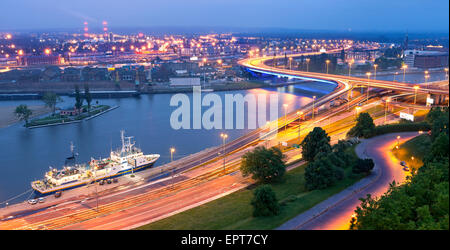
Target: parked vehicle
(41, 199)
(115, 180)
(58, 194)
(32, 201)
(109, 181)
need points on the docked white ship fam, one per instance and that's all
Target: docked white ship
(123, 161)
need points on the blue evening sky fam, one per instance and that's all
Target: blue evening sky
(357, 15)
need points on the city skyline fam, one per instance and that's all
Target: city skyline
(400, 16)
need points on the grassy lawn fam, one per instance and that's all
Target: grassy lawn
(417, 147)
(234, 211)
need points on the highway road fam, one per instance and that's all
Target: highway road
(259, 64)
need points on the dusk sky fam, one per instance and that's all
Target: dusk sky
(357, 15)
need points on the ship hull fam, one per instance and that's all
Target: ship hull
(78, 184)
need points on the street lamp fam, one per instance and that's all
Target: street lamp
(224, 137)
(350, 67)
(285, 125)
(314, 100)
(357, 112)
(375, 67)
(386, 108)
(307, 64)
(299, 113)
(415, 93)
(172, 150)
(368, 85)
(396, 73)
(446, 72)
(404, 67)
(290, 63)
(426, 79)
(327, 62)
(398, 138)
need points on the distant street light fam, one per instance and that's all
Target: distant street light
(386, 108)
(307, 64)
(375, 67)
(350, 66)
(357, 112)
(299, 113)
(415, 93)
(426, 80)
(327, 62)
(314, 100)
(285, 125)
(224, 137)
(368, 85)
(404, 67)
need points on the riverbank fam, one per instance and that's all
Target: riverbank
(7, 116)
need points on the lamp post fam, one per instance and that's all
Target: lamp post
(314, 100)
(398, 142)
(307, 64)
(368, 85)
(290, 63)
(172, 150)
(375, 72)
(357, 112)
(299, 113)
(285, 125)
(415, 93)
(385, 109)
(327, 62)
(426, 79)
(404, 67)
(396, 73)
(224, 137)
(350, 67)
(446, 73)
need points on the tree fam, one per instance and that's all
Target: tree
(78, 98)
(439, 149)
(264, 202)
(87, 96)
(363, 166)
(265, 165)
(315, 142)
(364, 127)
(322, 173)
(51, 99)
(23, 113)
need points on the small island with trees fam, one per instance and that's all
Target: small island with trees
(79, 112)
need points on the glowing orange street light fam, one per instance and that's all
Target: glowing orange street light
(357, 109)
(47, 51)
(20, 53)
(224, 138)
(285, 125)
(327, 62)
(307, 64)
(368, 85)
(404, 67)
(375, 67)
(172, 150)
(415, 93)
